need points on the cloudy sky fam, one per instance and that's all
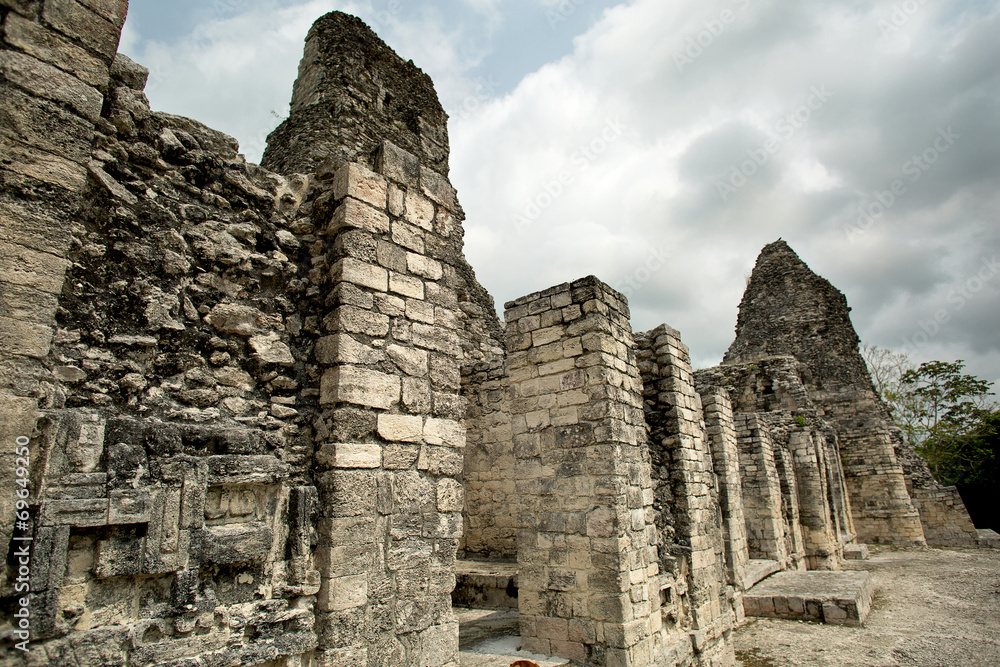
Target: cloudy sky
(660, 145)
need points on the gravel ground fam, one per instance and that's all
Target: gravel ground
(932, 607)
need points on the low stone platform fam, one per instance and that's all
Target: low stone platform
(837, 598)
(856, 552)
(988, 539)
(485, 584)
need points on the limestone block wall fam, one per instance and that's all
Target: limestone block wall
(807, 457)
(488, 475)
(840, 505)
(172, 508)
(804, 443)
(883, 509)
(55, 62)
(588, 572)
(762, 499)
(720, 433)
(686, 490)
(943, 516)
(789, 507)
(390, 496)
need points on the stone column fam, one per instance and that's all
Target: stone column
(390, 499)
(586, 542)
(761, 490)
(790, 508)
(815, 515)
(721, 436)
(684, 476)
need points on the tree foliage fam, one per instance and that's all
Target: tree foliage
(945, 414)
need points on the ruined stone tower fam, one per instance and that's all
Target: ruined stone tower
(789, 310)
(266, 416)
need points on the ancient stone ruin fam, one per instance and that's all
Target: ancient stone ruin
(266, 415)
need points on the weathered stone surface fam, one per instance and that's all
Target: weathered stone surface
(279, 407)
(84, 24)
(243, 320)
(55, 50)
(269, 349)
(349, 384)
(399, 106)
(129, 72)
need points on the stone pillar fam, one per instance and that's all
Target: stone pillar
(840, 504)
(683, 472)
(390, 499)
(790, 509)
(761, 490)
(586, 542)
(721, 436)
(815, 515)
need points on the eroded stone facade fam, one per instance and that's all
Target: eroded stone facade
(269, 409)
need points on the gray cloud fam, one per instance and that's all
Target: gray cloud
(524, 100)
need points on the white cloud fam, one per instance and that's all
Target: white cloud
(696, 89)
(691, 120)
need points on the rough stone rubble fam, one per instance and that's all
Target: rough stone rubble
(271, 410)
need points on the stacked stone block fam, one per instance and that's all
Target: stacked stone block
(588, 584)
(390, 494)
(55, 63)
(820, 540)
(721, 436)
(789, 507)
(686, 489)
(761, 490)
(488, 476)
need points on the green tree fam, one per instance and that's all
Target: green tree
(953, 419)
(907, 409)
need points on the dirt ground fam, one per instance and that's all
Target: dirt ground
(932, 607)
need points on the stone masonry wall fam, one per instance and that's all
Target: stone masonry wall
(55, 62)
(352, 93)
(766, 537)
(390, 461)
(773, 388)
(588, 572)
(488, 476)
(173, 507)
(721, 436)
(942, 511)
(686, 489)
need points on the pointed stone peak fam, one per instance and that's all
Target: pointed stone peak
(789, 310)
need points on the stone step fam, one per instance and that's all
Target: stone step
(988, 539)
(837, 598)
(856, 551)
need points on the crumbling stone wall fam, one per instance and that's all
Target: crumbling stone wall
(55, 62)
(352, 93)
(762, 502)
(267, 409)
(789, 310)
(773, 388)
(720, 433)
(686, 490)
